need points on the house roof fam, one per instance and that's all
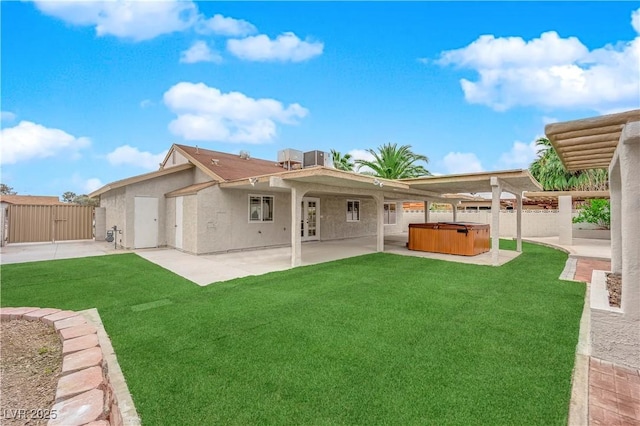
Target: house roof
(233, 171)
(140, 178)
(40, 200)
(224, 166)
(589, 143)
(512, 180)
(189, 190)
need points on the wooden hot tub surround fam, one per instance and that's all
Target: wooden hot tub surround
(461, 238)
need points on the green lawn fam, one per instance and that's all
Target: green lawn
(376, 339)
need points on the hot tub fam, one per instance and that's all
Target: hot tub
(461, 238)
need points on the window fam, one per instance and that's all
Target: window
(260, 208)
(389, 213)
(353, 210)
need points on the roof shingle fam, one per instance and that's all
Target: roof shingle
(231, 166)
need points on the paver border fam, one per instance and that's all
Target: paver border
(95, 392)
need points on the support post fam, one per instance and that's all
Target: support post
(629, 155)
(565, 224)
(296, 218)
(427, 209)
(496, 191)
(379, 198)
(615, 188)
(454, 208)
(519, 222)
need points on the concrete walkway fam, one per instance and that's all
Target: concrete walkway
(33, 252)
(581, 247)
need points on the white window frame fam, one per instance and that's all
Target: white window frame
(387, 217)
(350, 213)
(260, 218)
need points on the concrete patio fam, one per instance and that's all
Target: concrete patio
(208, 269)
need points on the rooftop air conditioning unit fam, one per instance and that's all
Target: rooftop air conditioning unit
(289, 155)
(315, 158)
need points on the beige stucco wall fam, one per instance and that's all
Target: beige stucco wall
(223, 221)
(535, 223)
(176, 158)
(333, 218)
(120, 204)
(170, 222)
(115, 209)
(200, 176)
(223, 225)
(100, 225)
(190, 222)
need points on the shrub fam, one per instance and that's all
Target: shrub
(596, 211)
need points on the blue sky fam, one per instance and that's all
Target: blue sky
(94, 92)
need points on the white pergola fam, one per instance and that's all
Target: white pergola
(442, 189)
(613, 142)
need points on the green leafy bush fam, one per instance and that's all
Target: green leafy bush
(596, 211)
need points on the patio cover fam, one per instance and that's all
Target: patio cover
(589, 143)
(512, 181)
(445, 189)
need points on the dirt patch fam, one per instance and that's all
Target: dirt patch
(30, 366)
(614, 285)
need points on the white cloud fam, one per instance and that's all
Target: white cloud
(129, 155)
(225, 26)
(548, 120)
(550, 72)
(286, 47)
(361, 154)
(635, 20)
(520, 156)
(29, 140)
(135, 20)
(462, 162)
(206, 114)
(199, 52)
(92, 184)
(7, 116)
(146, 103)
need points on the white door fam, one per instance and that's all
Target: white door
(145, 222)
(179, 222)
(310, 229)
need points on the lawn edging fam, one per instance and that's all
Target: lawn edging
(91, 389)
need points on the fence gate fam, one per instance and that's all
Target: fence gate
(29, 224)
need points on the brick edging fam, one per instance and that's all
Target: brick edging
(85, 393)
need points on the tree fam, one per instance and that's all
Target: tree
(341, 162)
(6, 190)
(85, 200)
(68, 197)
(550, 172)
(393, 162)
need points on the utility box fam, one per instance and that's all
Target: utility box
(292, 155)
(314, 158)
(290, 158)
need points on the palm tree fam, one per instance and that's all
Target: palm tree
(341, 162)
(550, 172)
(393, 162)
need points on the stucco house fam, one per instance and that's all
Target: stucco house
(202, 201)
